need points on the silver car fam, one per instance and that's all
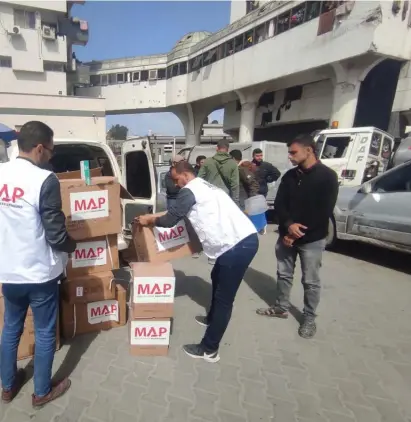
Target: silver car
(377, 212)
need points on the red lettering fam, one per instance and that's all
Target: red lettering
(16, 193)
(99, 251)
(180, 230)
(113, 309)
(173, 234)
(80, 254)
(150, 332)
(103, 311)
(144, 289)
(91, 204)
(163, 237)
(91, 253)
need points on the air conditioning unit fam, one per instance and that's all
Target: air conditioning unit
(48, 32)
(15, 30)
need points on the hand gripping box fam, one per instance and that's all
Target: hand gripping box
(91, 210)
(152, 290)
(158, 244)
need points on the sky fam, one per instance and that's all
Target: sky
(137, 28)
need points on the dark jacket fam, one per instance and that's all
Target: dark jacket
(196, 169)
(222, 171)
(171, 188)
(248, 185)
(307, 197)
(265, 173)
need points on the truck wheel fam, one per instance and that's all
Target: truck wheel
(332, 235)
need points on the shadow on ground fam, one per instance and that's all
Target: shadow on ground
(397, 261)
(196, 288)
(264, 286)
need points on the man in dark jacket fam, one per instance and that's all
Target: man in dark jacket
(248, 183)
(199, 163)
(304, 203)
(222, 171)
(171, 188)
(266, 172)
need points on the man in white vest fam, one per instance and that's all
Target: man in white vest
(226, 235)
(33, 253)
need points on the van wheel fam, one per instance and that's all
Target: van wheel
(332, 234)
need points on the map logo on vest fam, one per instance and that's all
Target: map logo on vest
(10, 195)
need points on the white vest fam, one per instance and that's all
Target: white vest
(25, 255)
(216, 219)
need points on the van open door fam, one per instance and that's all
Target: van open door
(138, 177)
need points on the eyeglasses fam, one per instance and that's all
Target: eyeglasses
(50, 150)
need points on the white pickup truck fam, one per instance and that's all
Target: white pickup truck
(137, 174)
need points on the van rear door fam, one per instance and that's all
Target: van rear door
(138, 177)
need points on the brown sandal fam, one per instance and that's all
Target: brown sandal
(57, 390)
(272, 312)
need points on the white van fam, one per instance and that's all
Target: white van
(137, 174)
(356, 154)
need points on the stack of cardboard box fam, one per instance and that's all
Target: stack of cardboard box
(152, 299)
(91, 300)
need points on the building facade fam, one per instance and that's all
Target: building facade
(38, 74)
(279, 68)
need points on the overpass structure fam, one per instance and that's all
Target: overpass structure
(283, 67)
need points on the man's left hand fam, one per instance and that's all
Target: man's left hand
(146, 220)
(288, 241)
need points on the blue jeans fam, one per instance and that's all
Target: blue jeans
(43, 298)
(226, 277)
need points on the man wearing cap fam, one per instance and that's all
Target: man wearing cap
(171, 188)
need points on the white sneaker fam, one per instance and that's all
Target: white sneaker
(263, 231)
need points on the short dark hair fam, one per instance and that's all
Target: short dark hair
(223, 144)
(32, 134)
(183, 167)
(257, 151)
(199, 158)
(236, 154)
(304, 140)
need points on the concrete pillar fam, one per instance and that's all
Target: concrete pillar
(249, 100)
(192, 117)
(247, 122)
(347, 84)
(344, 105)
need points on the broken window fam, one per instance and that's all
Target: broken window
(112, 79)
(174, 70)
(120, 78)
(183, 68)
(313, 10)
(197, 62)
(283, 22)
(136, 76)
(95, 80)
(293, 94)
(210, 57)
(221, 52)
(239, 43)
(266, 99)
(144, 75)
(229, 48)
(332, 147)
(298, 15)
(104, 80)
(161, 73)
(249, 39)
(169, 72)
(261, 33)
(152, 74)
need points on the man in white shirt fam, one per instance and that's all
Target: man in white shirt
(226, 235)
(33, 253)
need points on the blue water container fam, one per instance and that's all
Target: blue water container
(259, 220)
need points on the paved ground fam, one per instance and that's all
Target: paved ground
(358, 367)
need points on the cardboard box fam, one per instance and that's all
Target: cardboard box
(92, 256)
(97, 172)
(153, 290)
(91, 211)
(89, 288)
(149, 337)
(95, 316)
(157, 244)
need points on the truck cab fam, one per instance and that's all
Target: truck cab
(137, 174)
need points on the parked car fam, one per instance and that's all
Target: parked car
(377, 212)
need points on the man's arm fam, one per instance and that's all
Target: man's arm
(53, 218)
(281, 204)
(235, 184)
(184, 202)
(329, 193)
(272, 174)
(203, 171)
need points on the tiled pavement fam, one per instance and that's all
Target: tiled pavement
(358, 367)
